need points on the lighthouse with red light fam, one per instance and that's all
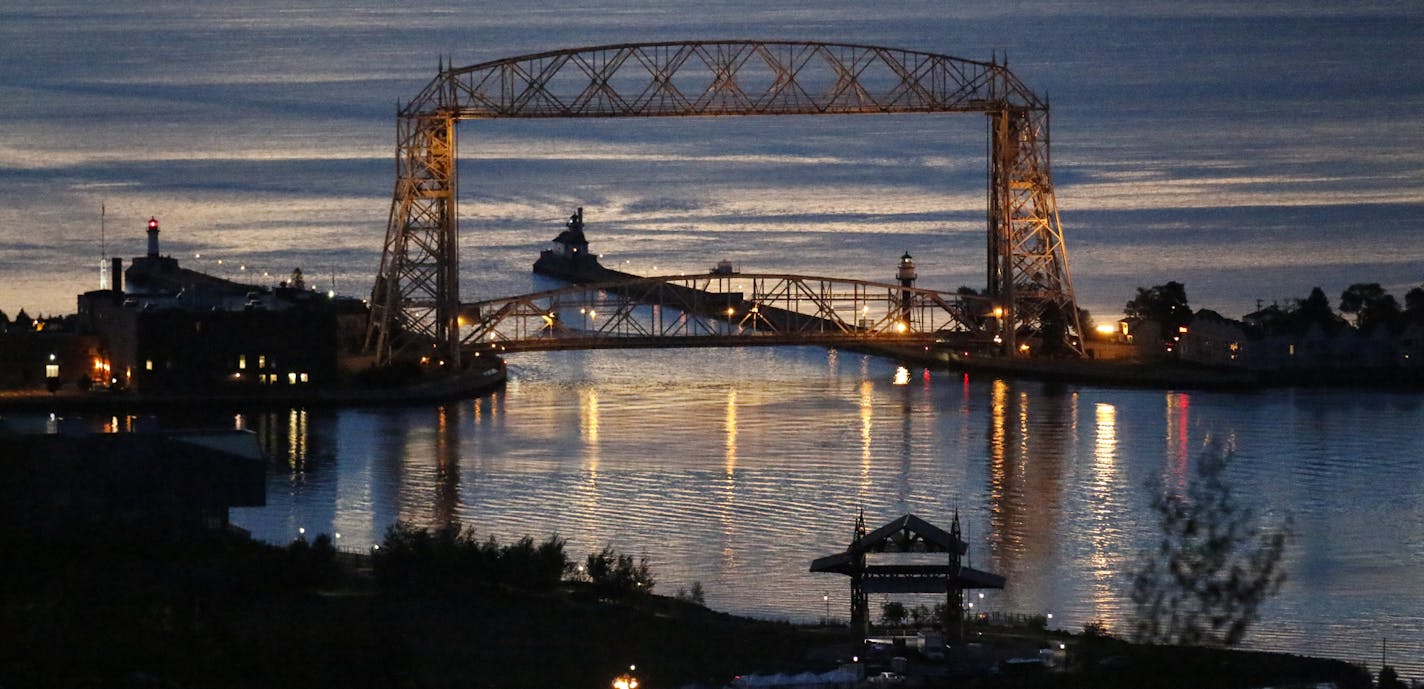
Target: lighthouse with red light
(153, 237)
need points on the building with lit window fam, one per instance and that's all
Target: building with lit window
(169, 330)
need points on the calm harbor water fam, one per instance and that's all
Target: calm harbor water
(736, 467)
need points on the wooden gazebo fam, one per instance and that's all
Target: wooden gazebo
(907, 534)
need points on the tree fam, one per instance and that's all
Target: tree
(1164, 304)
(1414, 304)
(618, 574)
(696, 595)
(1214, 567)
(453, 558)
(1315, 309)
(1389, 679)
(1053, 329)
(1370, 303)
(893, 613)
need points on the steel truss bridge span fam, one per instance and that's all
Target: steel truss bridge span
(416, 301)
(738, 310)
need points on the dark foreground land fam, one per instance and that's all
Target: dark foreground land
(108, 611)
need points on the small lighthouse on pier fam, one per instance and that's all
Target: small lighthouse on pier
(906, 275)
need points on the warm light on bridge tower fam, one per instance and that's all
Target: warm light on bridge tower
(415, 303)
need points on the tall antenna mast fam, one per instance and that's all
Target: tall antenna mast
(104, 278)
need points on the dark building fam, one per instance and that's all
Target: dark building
(35, 359)
(154, 484)
(168, 329)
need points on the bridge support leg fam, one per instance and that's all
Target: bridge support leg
(1027, 259)
(416, 301)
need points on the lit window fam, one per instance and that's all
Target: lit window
(242, 361)
(291, 379)
(148, 364)
(51, 370)
(304, 378)
(261, 361)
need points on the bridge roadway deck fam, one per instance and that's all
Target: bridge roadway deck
(879, 343)
(802, 328)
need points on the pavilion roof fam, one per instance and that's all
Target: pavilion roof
(906, 534)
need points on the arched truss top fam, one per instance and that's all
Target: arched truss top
(721, 78)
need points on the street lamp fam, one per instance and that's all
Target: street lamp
(826, 598)
(626, 680)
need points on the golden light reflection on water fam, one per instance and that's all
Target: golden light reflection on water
(588, 416)
(447, 467)
(1028, 438)
(585, 490)
(998, 464)
(1105, 555)
(588, 428)
(1105, 440)
(731, 426)
(726, 509)
(297, 439)
(867, 447)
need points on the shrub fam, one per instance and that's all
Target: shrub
(616, 574)
(451, 558)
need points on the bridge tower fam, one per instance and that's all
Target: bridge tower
(1028, 277)
(415, 302)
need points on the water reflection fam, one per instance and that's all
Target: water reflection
(727, 491)
(283, 435)
(447, 466)
(1029, 439)
(1178, 441)
(1105, 555)
(867, 446)
(729, 423)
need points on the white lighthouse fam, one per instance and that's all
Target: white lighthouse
(906, 275)
(153, 237)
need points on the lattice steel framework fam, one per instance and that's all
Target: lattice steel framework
(741, 309)
(415, 301)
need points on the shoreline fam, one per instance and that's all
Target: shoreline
(1166, 375)
(471, 383)
(1132, 373)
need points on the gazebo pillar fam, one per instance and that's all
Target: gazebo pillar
(953, 621)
